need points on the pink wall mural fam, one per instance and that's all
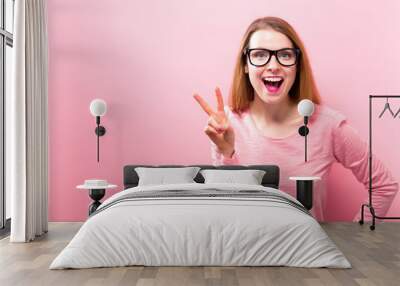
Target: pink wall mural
(147, 58)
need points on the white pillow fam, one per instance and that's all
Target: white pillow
(248, 177)
(162, 176)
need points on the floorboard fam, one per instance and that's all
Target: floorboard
(374, 255)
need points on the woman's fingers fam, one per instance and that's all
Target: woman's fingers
(220, 100)
(212, 134)
(217, 120)
(210, 130)
(204, 104)
(217, 126)
(223, 146)
(206, 107)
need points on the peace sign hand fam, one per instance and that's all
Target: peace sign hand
(218, 128)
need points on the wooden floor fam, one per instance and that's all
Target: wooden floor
(374, 255)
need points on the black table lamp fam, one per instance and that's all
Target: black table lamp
(98, 108)
(306, 109)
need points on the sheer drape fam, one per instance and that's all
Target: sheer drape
(26, 120)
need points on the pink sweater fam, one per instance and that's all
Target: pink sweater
(331, 139)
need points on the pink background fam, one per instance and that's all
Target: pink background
(147, 58)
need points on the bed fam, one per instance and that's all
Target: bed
(201, 224)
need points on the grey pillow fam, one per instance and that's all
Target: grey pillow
(162, 176)
(248, 177)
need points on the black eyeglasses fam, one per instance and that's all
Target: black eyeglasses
(285, 57)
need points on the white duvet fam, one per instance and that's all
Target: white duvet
(200, 231)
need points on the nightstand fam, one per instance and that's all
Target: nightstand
(97, 190)
(304, 190)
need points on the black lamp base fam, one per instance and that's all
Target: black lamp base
(304, 189)
(96, 195)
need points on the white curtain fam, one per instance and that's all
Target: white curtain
(26, 123)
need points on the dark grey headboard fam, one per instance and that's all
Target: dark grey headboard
(271, 177)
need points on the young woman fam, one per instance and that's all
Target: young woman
(271, 76)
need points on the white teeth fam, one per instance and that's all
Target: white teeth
(273, 79)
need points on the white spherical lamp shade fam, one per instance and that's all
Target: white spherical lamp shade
(305, 107)
(98, 107)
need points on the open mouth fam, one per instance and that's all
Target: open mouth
(273, 84)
